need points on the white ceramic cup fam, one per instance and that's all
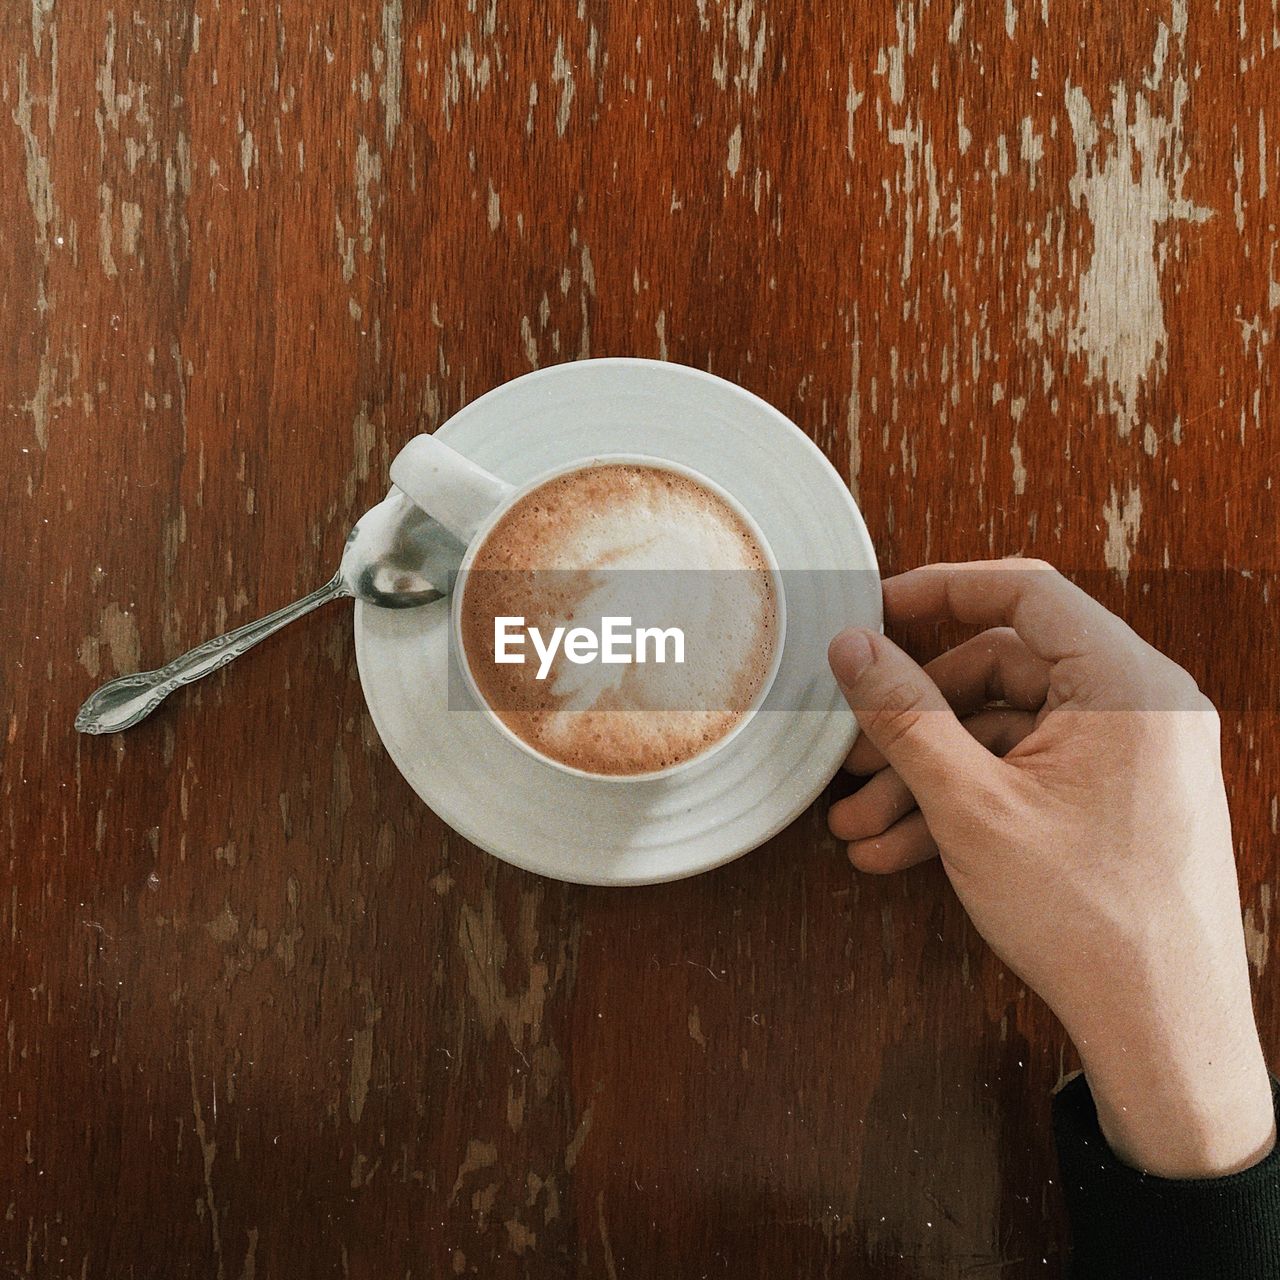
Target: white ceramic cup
(468, 501)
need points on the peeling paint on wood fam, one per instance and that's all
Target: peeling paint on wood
(1014, 268)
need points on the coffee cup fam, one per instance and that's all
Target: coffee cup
(616, 526)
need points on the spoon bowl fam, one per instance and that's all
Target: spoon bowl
(398, 557)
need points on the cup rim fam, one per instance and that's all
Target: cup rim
(581, 464)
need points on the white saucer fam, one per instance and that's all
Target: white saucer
(611, 833)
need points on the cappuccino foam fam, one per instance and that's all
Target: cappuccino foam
(623, 540)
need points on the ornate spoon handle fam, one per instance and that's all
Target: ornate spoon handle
(123, 702)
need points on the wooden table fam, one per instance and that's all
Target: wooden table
(1013, 267)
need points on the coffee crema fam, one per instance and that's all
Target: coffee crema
(622, 540)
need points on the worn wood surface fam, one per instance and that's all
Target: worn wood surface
(1013, 267)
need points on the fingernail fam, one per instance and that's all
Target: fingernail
(850, 654)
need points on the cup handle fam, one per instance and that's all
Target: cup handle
(447, 486)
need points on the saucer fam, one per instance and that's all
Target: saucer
(605, 833)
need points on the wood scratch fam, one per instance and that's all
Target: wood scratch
(250, 1268)
(1129, 189)
(562, 74)
(695, 1028)
(362, 1057)
(1257, 930)
(39, 179)
(1123, 518)
(736, 21)
(208, 1152)
(119, 632)
(44, 399)
(105, 214)
(574, 1149)
(610, 1269)
(734, 159)
(854, 422)
(480, 1155)
(368, 170)
(484, 951)
(393, 72)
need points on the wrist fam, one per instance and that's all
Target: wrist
(1187, 1115)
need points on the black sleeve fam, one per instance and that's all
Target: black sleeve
(1127, 1225)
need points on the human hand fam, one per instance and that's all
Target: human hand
(1083, 824)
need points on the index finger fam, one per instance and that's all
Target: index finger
(1054, 617)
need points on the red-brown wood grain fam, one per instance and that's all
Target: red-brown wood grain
(1013, 267)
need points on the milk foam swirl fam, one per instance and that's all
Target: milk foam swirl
(622, 539)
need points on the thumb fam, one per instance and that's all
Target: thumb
(906, 718)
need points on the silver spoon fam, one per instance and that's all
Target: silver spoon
(396, 557)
